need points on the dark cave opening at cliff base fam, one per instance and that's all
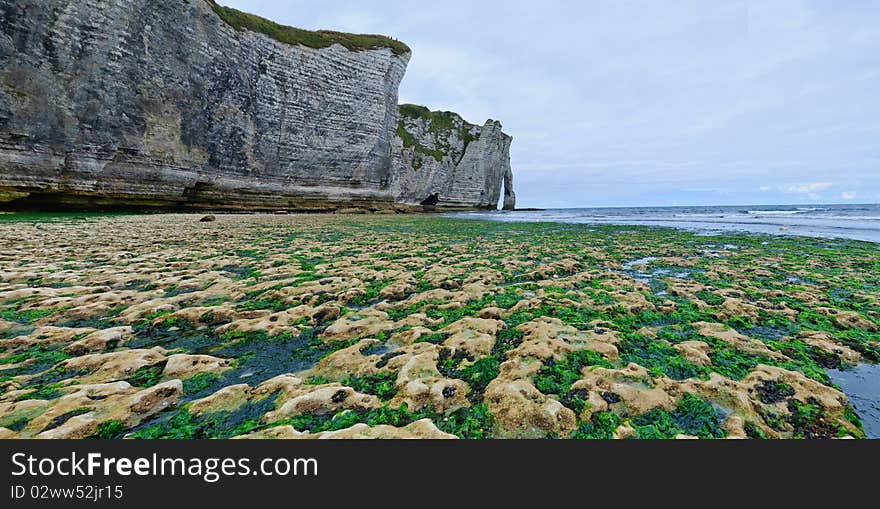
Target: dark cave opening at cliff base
(431, 201)
(63, 202)
(59, 203)
(41, 202)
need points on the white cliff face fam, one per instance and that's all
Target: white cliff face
(162, 103)
(478, 177)
(441, 160)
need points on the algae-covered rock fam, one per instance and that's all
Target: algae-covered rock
(277, 326)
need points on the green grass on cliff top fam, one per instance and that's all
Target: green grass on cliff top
(440, 123)
(443, 119)
(313, 39)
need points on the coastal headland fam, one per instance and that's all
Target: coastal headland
(191, 105)
(340, 326)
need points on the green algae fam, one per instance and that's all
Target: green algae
(109, 429)
(146, 376)
(558, 377)
(692, 416)
(380, 385)
(657, 358)
(473, 422)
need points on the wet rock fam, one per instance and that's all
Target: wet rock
(695, 352)
(226, 399)
(546, 338)
(100, 340)
(364, 323)
(630, 386)
(321, 399)
(422, 429)
(522, 411)
(155, 399)
(185, 365)
(115, 365)
(736, 340)
(44, 336)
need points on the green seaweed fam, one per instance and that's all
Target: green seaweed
(557, 377)
(147, 376)
(381, 384)
(199, 382)
(657, 357)
(692, 416)
(600, 427)
(109, 429)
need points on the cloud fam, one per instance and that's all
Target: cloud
(848, 195)
(809, 189)
(806, 190)
(645, 103)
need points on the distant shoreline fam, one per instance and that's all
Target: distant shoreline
(851, 221)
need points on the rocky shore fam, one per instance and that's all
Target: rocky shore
(342, 326)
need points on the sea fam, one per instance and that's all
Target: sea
(859, 222)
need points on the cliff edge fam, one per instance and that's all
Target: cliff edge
(188, 104)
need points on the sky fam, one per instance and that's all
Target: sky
(646, 103)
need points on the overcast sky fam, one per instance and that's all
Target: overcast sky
(626, 103)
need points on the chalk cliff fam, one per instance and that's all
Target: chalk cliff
(440, 159)
(186, 104)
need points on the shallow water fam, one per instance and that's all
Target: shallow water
(639, 262)
(862, 386)
(859, 222)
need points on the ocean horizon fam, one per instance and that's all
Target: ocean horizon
(849, 221)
